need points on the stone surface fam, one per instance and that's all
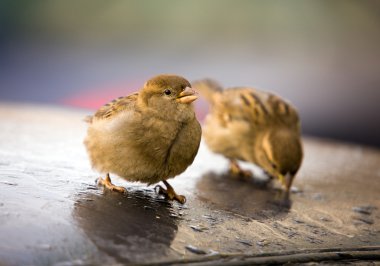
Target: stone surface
(52, 213)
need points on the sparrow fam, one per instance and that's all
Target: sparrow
(254, 126)
(148, 136)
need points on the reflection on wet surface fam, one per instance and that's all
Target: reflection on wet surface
(136, 227)
(251, 199)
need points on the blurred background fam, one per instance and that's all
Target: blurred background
(323, 56)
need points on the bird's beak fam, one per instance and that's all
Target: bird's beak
(187, 96)
(288, 181)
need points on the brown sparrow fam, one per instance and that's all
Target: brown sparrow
(254, 126)
(148, 136)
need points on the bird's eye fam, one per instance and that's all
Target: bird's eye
(274, 166)
(167, 92)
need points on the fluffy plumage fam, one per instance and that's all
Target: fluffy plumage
(149, 136)
(254, 126)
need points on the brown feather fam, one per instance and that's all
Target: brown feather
(116, 106)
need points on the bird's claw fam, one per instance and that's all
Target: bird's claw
(236, 171)
(159, 190)
(106, 182)
(170, 194)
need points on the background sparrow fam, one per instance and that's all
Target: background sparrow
(254, 126)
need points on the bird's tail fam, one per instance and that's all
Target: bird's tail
(208, 88)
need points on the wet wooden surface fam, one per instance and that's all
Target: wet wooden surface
(52, 213)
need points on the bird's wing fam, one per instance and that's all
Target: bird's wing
(258, 108)
(114, 107)
(244, 104)
(282, 111)
(232, 108)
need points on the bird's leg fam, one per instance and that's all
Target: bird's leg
(282, 181)
(235, 170)
(170, 193)
(286, 181)
(106, 182)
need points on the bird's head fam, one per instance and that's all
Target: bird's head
(282, 155)
(169, 94)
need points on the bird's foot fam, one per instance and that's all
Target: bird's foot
(236, 171)
(286, 183)
(106, 182)
(170, 193)
(281, 178)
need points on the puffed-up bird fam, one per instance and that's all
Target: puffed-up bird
(255, 126)
(148, 136)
